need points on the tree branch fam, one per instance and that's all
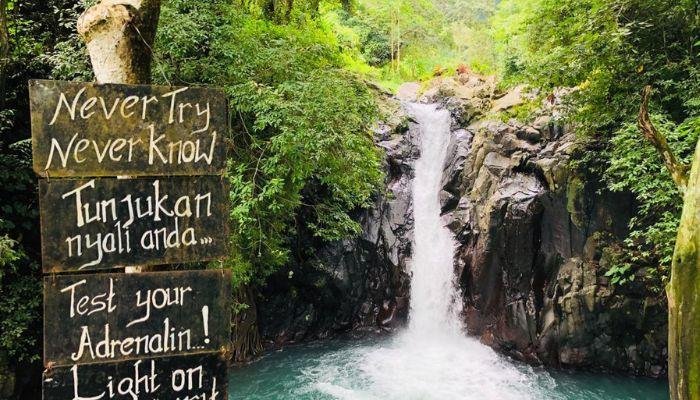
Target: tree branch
(679, 171)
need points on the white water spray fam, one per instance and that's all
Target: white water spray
(432, 358)
(433, 290)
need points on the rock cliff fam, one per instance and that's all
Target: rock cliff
(532, 233)
(358, 284)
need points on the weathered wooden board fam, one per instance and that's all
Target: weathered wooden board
(110, 317)
(197, 377)
(95, 224)
(86, 129)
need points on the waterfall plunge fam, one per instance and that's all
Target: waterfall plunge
(432, 359)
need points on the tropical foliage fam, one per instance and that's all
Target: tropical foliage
(303, 143)
(608, 51)
(303, 122)
(31, 31)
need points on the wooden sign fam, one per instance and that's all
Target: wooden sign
(154, 335)
(86, 129)
(198, 377)
(111, 317)
(94, 224)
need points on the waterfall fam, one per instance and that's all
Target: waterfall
(432, 359)
(433, 307)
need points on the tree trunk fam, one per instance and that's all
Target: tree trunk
(683, 290)
(348, 6)
(119, 35)
(684, 296)
(246, 336)
(678, 171)
(398, 43)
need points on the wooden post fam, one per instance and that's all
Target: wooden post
(119, 36)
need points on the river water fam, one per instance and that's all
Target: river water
(431, 359)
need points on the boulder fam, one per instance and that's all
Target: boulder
(408, 91)
(509, 99)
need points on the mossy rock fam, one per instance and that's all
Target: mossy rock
(575, 202)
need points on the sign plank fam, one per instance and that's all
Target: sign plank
(198, 377)
(111, 317)
(87, 129)
(95, 224)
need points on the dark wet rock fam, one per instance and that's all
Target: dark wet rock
(530, 134)
(456, 157)
(355, 284)
(530, 260)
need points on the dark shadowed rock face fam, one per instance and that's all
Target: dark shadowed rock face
(530, 257)
(357, 284)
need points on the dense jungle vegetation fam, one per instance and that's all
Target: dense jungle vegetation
(303, 77)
